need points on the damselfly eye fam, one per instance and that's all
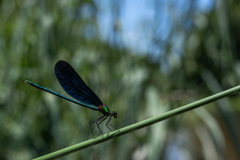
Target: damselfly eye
(114, 114)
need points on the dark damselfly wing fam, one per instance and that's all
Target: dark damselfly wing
(73, 84)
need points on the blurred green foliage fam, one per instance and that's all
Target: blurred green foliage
(34, 35)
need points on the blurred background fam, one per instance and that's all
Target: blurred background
(141, 57)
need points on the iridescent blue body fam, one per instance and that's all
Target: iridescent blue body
(72, 83)
(59, 95)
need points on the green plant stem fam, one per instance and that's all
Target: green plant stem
(139, 125)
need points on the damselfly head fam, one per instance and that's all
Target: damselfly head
(25, 81)
(114, 113)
